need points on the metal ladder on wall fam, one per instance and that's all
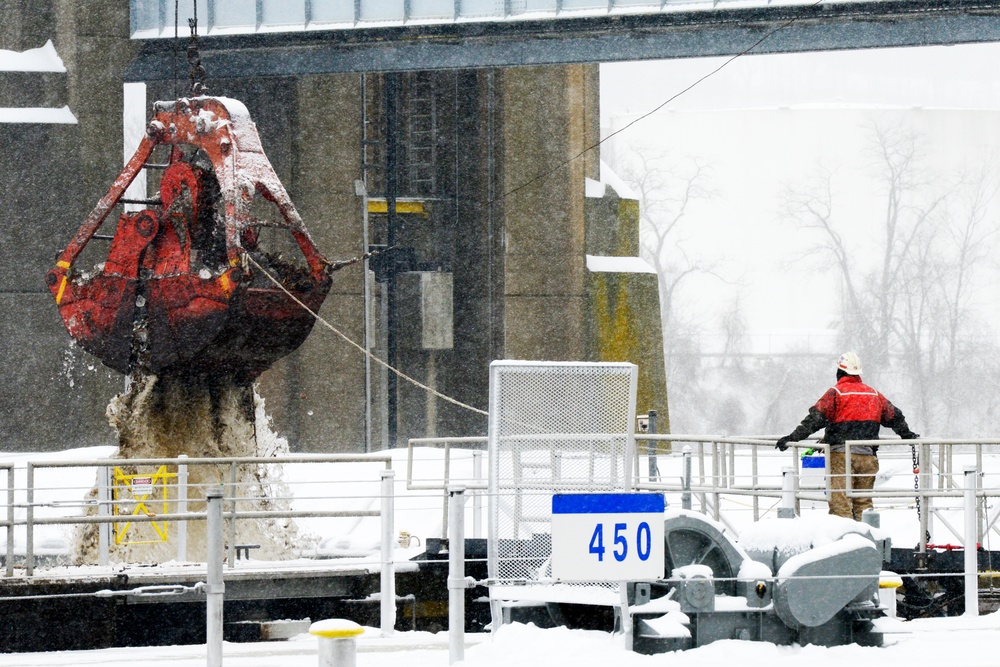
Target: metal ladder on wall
(372, 135)
(417, 144)
(420, 109)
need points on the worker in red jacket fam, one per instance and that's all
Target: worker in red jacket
(851, 410)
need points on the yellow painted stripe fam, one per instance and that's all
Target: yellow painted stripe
(62, 288)
(382, 206)
(226, 284)
(63, 264)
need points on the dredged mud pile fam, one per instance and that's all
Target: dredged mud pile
(163, 417)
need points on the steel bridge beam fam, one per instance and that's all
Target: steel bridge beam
(701, 33)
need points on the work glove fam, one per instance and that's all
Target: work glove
(909, 435)
(782, 443)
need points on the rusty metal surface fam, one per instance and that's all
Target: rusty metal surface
(176, 293)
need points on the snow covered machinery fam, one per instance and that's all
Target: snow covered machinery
(186, 286)
(787, 581)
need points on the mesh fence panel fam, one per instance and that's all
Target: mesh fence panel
(555, 427)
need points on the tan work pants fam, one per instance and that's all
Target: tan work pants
(863, 470)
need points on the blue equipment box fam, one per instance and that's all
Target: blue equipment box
(814, 461)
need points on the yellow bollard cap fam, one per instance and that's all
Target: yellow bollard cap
(335, 628)
(889, 580)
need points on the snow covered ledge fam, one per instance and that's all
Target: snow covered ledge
(37, 115)
(605, 264)
(42, 60)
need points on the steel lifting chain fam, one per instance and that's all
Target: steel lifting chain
(197, 71)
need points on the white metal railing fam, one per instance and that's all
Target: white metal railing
(8, 522)
(724, 467)
(475, 486)
(713, 469)
(732, 466)
(724, 472)
(31, 520)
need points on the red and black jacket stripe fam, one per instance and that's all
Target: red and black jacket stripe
(851, 410)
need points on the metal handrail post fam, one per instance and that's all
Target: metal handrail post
(457, 582)
(923, 484)
(447, 481)
(732, 465)
(971, 551)
(388, 592)
(944, 467)
(232, 516)
(701, 476)
(477, 496)
(182, 498)
(754, 481)
(848, 476)
(10, 521)
(409, 463)
(215, 587)
(103, 509)
(686, 480)
(980, 507)
(715, 481)
(651, 448)
(29, 514)
(827, 473)
(796, 486)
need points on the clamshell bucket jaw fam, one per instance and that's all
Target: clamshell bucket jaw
(190, 284)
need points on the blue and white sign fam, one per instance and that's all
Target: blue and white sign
(607, 536)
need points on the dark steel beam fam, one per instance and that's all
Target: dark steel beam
(718, 32)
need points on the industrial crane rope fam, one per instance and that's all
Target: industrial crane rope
(361, 348)
(545, 173)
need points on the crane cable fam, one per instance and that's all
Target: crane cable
(548, 172)
(351, 342)
(197, 78)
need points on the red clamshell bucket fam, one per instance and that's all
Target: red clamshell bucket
(185, 286)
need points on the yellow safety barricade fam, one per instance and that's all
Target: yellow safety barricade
(142, 489)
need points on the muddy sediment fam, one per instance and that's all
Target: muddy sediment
(164, 417)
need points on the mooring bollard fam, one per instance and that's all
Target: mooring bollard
(337, 646)
(888, 583)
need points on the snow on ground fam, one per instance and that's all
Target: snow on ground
(969, 642)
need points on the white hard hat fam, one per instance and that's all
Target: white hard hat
(850, 363)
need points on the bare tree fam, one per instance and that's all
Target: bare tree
(946, 345)
(667, 190)
(911, 308)
(735, 330)
(870, 297)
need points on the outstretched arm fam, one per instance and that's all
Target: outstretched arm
(813, 422)
(892, 417)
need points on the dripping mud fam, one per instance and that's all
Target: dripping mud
(164, 417)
